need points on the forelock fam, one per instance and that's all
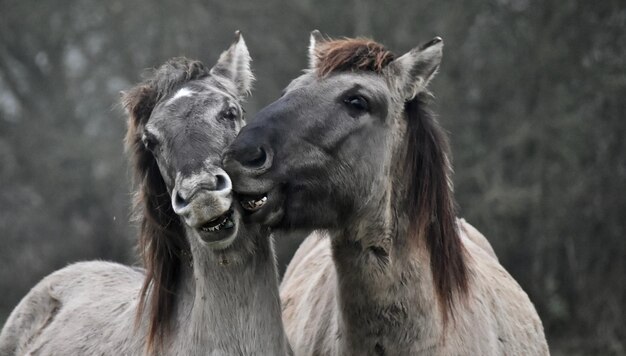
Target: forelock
(351, 54)
(174, 73)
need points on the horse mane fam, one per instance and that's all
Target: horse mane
(351, 54)
(431, 205)
(427, 170)
(162, 245)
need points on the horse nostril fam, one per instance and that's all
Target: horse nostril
(221, 182)
(180, 202)
(256, 159)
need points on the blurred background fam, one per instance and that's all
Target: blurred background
(532, 93)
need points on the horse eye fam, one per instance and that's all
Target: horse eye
(230, 114)
(357, 102)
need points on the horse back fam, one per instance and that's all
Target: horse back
(76, 310)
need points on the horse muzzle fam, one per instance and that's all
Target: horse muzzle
(204, 199)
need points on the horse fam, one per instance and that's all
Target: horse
(210, 282)
(352, 151)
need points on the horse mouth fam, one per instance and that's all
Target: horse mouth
(222, 222)
(253, 203)
(265, 208)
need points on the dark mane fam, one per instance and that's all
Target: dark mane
(430, 203)
(161, 244)
(351, 54)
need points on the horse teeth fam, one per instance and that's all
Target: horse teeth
(225, 222)
(212, 229)
(254, 204)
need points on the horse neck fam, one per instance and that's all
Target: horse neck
(229, 301)
(384, 280)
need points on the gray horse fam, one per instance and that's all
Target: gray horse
(352, 148)
(210, 285)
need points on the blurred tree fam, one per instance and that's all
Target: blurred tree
(64, 187)
(537, 125)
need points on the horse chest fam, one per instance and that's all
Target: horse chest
(386, 330)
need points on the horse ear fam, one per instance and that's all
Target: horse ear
(315, 39)
(234, 65)
(417, 67)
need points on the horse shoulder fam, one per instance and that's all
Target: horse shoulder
(510, 323)
(470, 232)
(308, 298)
(70, 306)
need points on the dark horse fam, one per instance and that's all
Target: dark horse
(352, 148)
(210, 283)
